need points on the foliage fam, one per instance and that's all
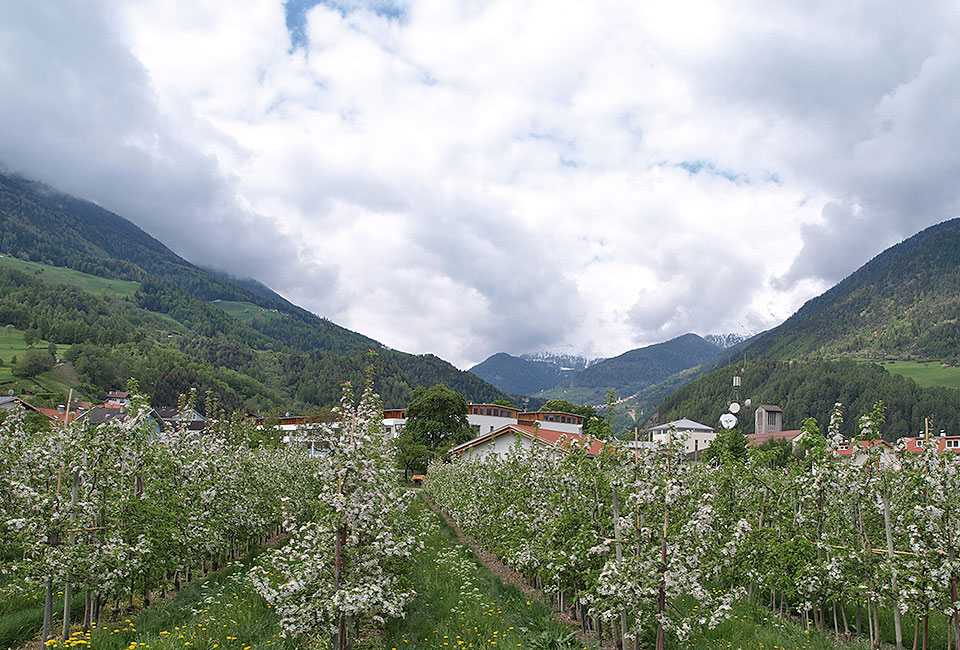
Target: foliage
(33, 363)
(119, 507)
(808, 534)
(437, 418)
(412, 456)
(811, 389)
(343, 560)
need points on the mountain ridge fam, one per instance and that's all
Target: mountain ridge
(254, 361)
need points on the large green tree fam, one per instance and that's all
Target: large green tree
(33, 363)
(437, 418)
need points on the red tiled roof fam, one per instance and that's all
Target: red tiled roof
(859, 445)
(547, 437)
(59, 416)
(915, 445)
(756, 439)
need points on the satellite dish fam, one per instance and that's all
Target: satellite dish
(728, 420)
(734, 408)
(10, 392)
(746, 402)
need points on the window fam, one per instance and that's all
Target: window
(953, 444)
(489, 410)
(476, 428)
(771, 419)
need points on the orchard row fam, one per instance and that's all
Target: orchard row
(651, 546)
(125, 508)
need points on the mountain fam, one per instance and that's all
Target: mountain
(518, 375)
(726, 340)
(633, 371)
(565, 362)
(78, 275)
(903, 303)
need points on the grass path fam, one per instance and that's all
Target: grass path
(461, 604)
(750, 626)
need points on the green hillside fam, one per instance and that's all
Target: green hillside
(810, 389)
(517, 375)
(925, 373)
(902, 307)
(245, 311)
(904, 303)
(120, 304)
(60, 275)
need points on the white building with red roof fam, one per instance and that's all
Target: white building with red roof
(499, 441)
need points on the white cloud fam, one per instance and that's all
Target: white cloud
(463, 178)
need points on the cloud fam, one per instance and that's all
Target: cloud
(464, 178)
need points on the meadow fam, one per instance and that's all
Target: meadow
(245, 311)
(925, 373)
(59, 275)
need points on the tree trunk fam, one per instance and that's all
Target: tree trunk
(893, 579)
(340, 639)
(47, 613)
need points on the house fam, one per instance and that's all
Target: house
(8, 402)
(499, 441)
(556, 420)
(696, 437)
(484, 418)
(767, 419)
(59, 415)
(393, 422)
(857, 451)
(117, 398)
(290, 423)
(940, 443)
(102, 414)
(756, 439)
(173, 418)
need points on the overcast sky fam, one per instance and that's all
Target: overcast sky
(469, 177)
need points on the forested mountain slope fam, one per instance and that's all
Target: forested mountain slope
(169, 334)
(518, 375)
(810, 389)
(636, 370)
(905, 302)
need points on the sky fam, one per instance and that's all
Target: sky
(466, 177)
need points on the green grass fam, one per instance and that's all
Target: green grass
(59, 275)
(925, 373)
(458, 599)
(754, 628)
(48, 384)
(21, 618)
(220, 612)
(245, 311)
